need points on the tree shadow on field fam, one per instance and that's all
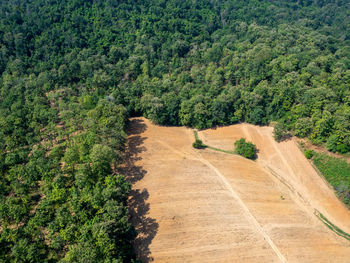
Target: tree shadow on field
(146, 226)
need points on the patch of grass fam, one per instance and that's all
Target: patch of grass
(198, 144)
(220, 150)
(332, 227)
(196, 135)
(337, 172)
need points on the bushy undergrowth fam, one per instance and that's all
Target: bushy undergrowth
(337, 173)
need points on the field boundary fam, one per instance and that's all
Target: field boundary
(320, 174)
(331, 226)
(210, 147)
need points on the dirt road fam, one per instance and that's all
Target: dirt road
(205, 206)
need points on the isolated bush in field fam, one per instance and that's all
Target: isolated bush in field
(246, 149)
(309, 154)
(198, 144)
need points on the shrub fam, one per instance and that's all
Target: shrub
(334, 144)
(309, 154)
(246, 149)
(198, 144)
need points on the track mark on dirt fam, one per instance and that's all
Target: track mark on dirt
(235, 196)
(246, 210)
(205, 206)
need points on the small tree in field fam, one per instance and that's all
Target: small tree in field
(198, 144)
(246, 149)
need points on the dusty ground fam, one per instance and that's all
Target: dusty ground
(205, 206)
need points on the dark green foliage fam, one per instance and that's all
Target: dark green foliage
(246, 149)
(71, 72)
(198, 144)
(77, 213)
(202, 64)
(257, 116)
(280, 132)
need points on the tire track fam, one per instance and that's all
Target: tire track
(235, 196)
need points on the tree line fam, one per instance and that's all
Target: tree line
(72, 72)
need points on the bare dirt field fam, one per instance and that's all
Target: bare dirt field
(205, 206)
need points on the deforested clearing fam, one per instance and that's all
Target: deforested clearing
(191, 205)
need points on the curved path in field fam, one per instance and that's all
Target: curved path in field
(286, 161)
(204, 206)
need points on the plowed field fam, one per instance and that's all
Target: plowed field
(193, 205)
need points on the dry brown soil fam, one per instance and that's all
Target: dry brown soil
(193, 205)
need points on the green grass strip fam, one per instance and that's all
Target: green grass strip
(220, 150)
(196, 135)
(210, 147)
(332, 227)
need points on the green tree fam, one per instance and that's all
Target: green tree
(101, 157)
(246, 149)
(280, 132)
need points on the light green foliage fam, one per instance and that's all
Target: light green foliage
(71, 157)
(303, 127)
(309, 154)
(337, 173)
(101, 157)
(80, 204)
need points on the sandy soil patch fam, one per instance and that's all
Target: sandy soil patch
(287, 162)
(205, 206)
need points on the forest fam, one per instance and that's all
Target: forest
(72, 72)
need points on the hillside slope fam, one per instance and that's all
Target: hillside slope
(205, 206)
(288, 163)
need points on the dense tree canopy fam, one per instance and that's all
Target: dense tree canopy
(72, 71)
